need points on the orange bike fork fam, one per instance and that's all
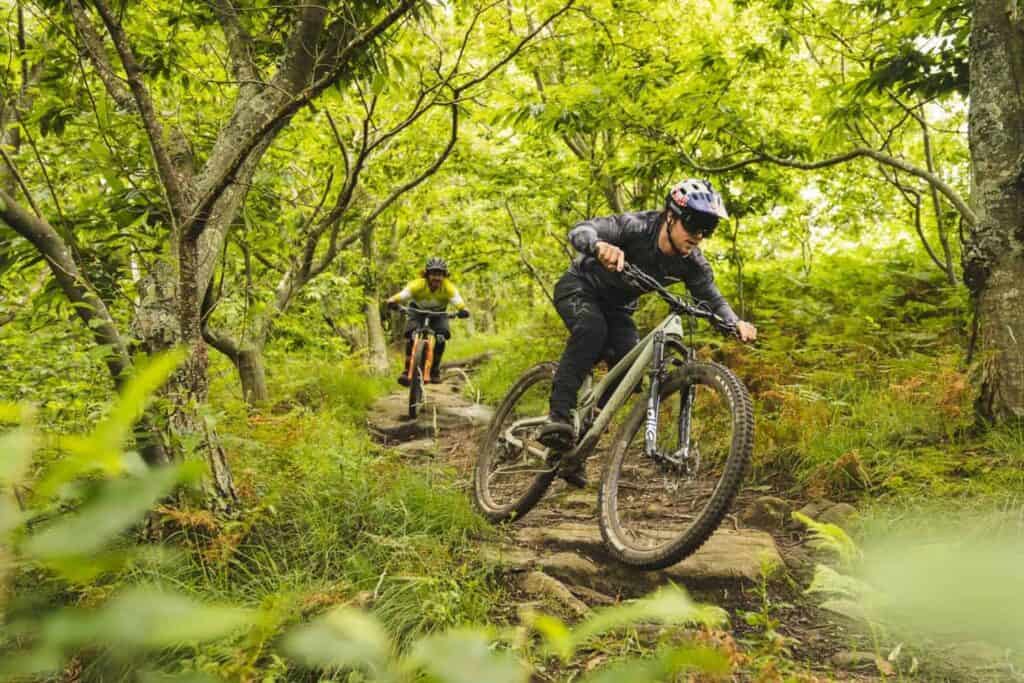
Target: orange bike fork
(429, 363)
(411, 363)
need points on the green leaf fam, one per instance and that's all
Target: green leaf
(103, 449)
(667, 606)
(465, 657)
(145, 619)
(556, 633)
(117, 505)
(16, 448)
(344, 637)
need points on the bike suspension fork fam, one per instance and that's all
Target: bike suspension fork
(654, 397)
(685, 411)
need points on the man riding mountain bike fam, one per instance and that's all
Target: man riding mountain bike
(433, 291)
(597, 304)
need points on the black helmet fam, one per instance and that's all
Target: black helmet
(697, 203)
(435, 264)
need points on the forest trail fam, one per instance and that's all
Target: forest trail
(554, 558)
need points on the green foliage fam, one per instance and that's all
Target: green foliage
(137, 621)
(831, 538)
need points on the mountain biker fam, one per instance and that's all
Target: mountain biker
(432, 291)
(597, 304)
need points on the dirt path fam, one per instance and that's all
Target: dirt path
(554, 555)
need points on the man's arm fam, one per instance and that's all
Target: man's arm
(703, 288)
(403, 295)
(586, 234)
(601, 238)
(454, 298)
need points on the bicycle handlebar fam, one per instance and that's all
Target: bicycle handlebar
(423, 311)
(649, 284)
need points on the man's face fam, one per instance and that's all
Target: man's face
(680, 239)
(434, 279)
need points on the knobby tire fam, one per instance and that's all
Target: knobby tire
(489, 450)
(732, 390)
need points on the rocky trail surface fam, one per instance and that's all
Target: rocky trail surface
(756, 565)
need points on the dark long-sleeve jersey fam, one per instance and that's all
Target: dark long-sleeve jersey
(637, 235)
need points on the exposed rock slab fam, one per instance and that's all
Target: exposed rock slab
(728, 557)
(443, 410)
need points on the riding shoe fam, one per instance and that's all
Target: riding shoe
(557, 434)
(574, 474)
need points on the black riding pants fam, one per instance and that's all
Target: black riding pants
(597, 330)
(439, 324)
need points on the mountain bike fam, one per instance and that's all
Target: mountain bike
(421, 356)
(676, 463)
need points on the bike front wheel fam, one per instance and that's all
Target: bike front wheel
(419, 360)
(658, 508)
(512, 470)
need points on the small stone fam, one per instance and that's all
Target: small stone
(539, 584)
(839, 514)
(848, 659)
(816, 507)
(767, 513)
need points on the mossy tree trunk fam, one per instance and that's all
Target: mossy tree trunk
(994, 245)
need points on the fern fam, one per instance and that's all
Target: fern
(832, 538)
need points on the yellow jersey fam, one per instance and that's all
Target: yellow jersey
(419, 293)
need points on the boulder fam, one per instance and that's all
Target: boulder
(767, 513)
(816, 507)
(840, 514)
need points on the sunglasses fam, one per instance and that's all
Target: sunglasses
(700, 224)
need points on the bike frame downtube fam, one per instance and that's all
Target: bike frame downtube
(631, 368)
(654, 397)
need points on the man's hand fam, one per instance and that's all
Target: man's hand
(463, 313)
(610, 256)
(745, 331)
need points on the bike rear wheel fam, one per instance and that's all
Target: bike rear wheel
(416, 384)
(656, 511)
(512, 471)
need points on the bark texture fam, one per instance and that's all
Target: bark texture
(994, 245)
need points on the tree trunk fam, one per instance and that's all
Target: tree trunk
(377, 348)
(994, 245)
(191, 384)
(249, 363)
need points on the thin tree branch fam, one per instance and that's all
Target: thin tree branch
(522, 255)
(92, 46)
(881, 157)
(58, 256)
(21, 182)
(515, 51)
(168, 175)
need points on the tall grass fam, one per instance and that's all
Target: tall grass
(330, 518)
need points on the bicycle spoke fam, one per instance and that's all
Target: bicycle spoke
(514, 459)
(660, 497)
